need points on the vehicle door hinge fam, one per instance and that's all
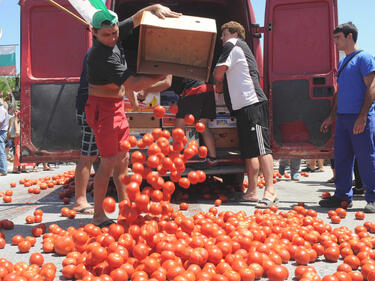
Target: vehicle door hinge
(256, 30)
(270, 26)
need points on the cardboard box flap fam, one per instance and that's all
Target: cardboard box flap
(184, 22)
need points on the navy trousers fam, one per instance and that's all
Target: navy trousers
(349, 146)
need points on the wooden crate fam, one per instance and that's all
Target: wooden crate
(225, 137)
(142, 120)
(181, 46)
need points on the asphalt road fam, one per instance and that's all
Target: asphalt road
(307, 190)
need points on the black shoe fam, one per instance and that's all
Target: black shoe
(334, 202)
(307, 169)
(212, 161)
(358, 190)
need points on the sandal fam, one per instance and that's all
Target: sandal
(265, 203)
(86, 210)
(106, 223)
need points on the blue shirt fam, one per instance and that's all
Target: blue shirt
(352, 87)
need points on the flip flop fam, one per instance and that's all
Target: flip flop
(106, 223)
(265, 203)
(83, 210)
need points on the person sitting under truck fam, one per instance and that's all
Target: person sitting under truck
(196, 98)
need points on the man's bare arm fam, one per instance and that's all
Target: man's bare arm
(157, 87)
(158, 10)
(219, 74)
(360, 123)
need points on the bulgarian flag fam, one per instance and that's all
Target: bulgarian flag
(7, 60)
(87, 8)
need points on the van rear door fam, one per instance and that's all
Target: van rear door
(53, 45)
(299, 75)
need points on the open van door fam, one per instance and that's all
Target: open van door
(299, 75)
(53, 46)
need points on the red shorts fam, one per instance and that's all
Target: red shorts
(106, 116)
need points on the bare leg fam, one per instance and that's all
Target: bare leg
(266, 162)
(82, 175)
(252, 168)
(121, 168)
(100, 187)
(209, 139)
(180, 123)
(311, 163)
(321, 164)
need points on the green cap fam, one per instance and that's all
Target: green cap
(101, 16)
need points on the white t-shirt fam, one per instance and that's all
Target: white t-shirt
(242, 74)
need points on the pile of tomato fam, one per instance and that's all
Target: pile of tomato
(34, 186)
(152, 241)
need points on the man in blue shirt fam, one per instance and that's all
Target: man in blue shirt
(354, 111)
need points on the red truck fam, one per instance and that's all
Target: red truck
(298, 66)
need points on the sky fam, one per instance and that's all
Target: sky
(360, 12)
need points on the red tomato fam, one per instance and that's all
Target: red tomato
(360, 215)
(24, 246)
(202, 151)
(184, 183)
(64, 245)
(125, 146)
(178, 134)
(36, 258)
(200, 127)
(277, 273)
(173, 108)
(189, 119)
(159, 111)
(109, 205)
(184, 206)
(332, 254)
(140, 251)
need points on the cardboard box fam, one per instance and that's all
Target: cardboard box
(223, 119)
(181, 46)
(225, 137)
(168, 120)
(152, 100)
(142, 120)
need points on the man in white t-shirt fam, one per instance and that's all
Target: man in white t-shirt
(237, 75)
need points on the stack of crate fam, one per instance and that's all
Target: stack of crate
(142, 120)
(224, 127)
